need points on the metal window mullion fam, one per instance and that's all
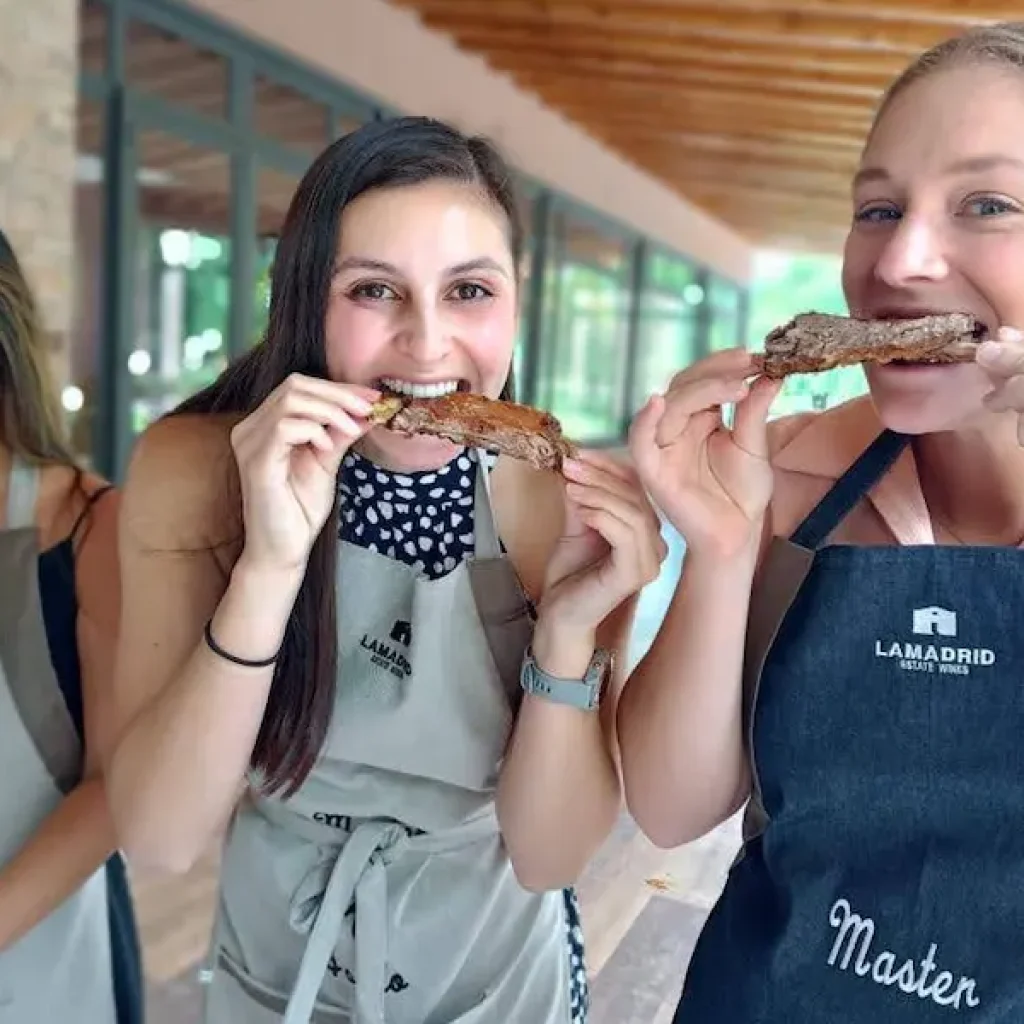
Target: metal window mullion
(243, 206)
(540, 231)
(705, 312)
(638, 276)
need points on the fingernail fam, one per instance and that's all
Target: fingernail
(989, 350)
(1011, 334)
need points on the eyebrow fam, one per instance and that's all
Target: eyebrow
(968, 165)
(381, 266)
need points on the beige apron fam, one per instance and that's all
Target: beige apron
(60, 972)
(381, 891)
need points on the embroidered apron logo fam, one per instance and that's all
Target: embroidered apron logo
(387, 655)
(401, 633)
(935, 656)
(854, 938)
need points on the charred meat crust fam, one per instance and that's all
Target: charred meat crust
(385, 409)
(508, 428)
(814, 342)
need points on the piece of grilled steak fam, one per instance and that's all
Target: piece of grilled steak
(476, 421)
(814, 342)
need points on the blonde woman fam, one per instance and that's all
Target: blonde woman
(67, 941)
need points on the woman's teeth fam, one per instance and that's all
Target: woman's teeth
(433, 390)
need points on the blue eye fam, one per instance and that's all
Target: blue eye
(877, 214)
(988, 206)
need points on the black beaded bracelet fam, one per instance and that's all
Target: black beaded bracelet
(221, 653)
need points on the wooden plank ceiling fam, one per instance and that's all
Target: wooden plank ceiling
(752, 109)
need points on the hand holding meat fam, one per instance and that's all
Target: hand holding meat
(611, 545)
(712, 482)
(1002, 359)
(288, 452)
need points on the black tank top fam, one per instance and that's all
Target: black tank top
(59, 600)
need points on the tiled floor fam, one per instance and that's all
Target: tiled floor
(642, 907)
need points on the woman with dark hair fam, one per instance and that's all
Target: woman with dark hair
(342, 621)
(68, 949)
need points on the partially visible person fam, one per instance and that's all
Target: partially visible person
(68, 947)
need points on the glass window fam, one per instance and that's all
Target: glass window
(585, 326)
(667, 326)
(290, 117)
(274, 191)
(182, 273)
(726, 328)
(526, 197)
(176, 70)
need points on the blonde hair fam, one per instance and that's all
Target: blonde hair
(999, 46)
(31, 420)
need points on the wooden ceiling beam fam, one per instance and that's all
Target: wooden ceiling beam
(772, 181)
(606, 124)
(684, 145)
(811, 144)
(678, 158)
(788, 26)
(653, 49)
(951, 13)
(821, 82)
(695, 110)
(766, 195)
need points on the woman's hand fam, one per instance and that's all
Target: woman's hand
(611, 546)
(1002, 359)
(288, 453)
(712, 482)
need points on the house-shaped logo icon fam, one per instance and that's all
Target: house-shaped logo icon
(934, 620)
(401, 633)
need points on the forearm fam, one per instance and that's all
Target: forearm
(680, 717)
(56, 861)
(176, 772)
(559, 794)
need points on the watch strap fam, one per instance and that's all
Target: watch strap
(584, 693)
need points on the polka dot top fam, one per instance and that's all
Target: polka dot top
(423, 519)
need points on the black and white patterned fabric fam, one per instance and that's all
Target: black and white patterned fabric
(422, 519)
(425, 520)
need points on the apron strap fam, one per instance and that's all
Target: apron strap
(358, 875)
(848, 490)
(485, 526)
(22, 491)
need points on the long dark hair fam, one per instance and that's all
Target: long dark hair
(382, 154)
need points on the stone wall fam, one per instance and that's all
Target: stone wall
(38, 83)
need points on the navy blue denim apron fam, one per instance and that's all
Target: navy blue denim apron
(882, 874)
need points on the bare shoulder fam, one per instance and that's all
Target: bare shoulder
(785, 429)
(181, 489)
(529, 507)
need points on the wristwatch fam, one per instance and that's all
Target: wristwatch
(584, 693)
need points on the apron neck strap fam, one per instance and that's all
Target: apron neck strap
(22, 491)
(848, 490)
(485, 526)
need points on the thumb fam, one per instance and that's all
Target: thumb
(750, 423)
(330, 458)
(642, 441)
(572, 522)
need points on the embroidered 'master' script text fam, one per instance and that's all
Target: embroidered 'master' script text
(852, 946)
